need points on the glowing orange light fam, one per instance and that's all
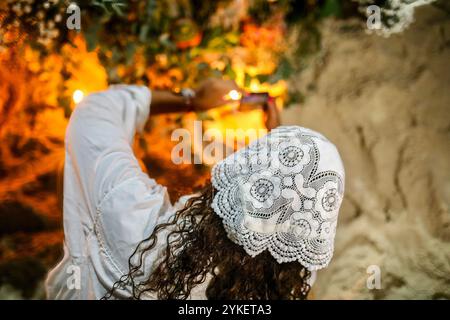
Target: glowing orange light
(77, 96)
(233, 95)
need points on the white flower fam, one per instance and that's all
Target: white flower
(301, 224)
(290, 156)
(262, 189)
(328, 200)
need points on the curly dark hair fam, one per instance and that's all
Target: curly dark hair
(198, 246)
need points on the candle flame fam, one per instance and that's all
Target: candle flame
(233, 95)
(77, 96)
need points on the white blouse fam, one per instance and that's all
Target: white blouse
(110, 204)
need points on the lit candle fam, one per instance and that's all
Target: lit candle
(77, 96)
(233, 95)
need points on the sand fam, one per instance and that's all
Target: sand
(385, 103)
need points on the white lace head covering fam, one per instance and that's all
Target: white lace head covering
(282, 193)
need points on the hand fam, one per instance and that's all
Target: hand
(272, 115)
(211, 93)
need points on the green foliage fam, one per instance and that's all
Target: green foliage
(331, 8)
(111, 6)
(133, 33)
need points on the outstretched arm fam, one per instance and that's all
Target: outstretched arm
(208, 95)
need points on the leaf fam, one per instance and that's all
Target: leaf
(110, 7)
(294, 97)
(230, 72)
(331, 8)
(284, 71)
(247, 80)
(91, 35)
(129, 52)
(263, 78)
(143, 32)
(232, 38)
(100, 5)
(117, 8)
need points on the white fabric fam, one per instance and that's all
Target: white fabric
(282, 193)
(110, 204)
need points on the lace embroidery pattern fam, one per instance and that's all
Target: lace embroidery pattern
(272, 196)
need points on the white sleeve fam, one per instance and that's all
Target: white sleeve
(102, 129)
(123, 204)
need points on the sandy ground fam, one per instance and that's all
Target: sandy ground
(385, 103)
